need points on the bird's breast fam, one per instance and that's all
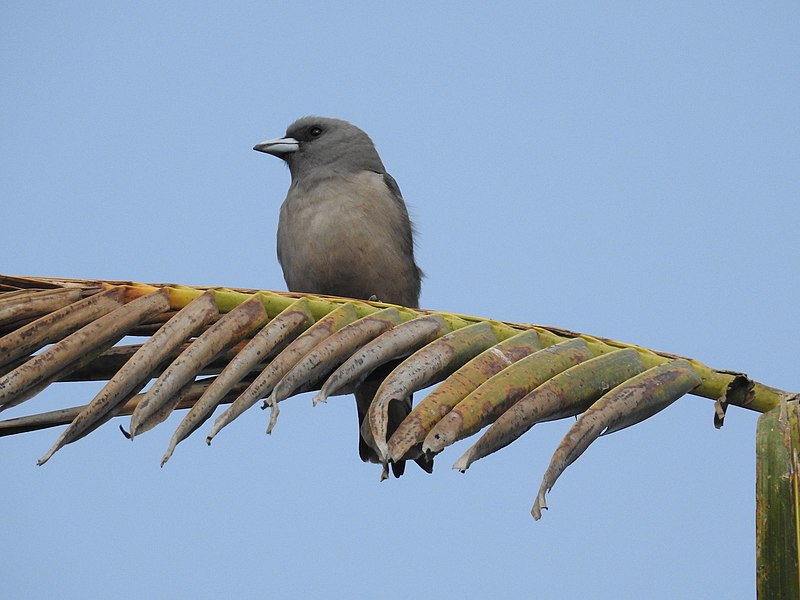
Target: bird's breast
(344, 236)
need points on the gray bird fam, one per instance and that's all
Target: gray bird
(344, 230)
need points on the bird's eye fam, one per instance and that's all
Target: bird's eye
(315, 131)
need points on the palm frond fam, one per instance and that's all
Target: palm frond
(214, 346)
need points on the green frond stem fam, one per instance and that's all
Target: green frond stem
(778, 503)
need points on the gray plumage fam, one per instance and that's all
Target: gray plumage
(344, 230)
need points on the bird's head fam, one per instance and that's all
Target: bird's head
(324, 144)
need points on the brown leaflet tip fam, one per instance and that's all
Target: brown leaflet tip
(719, 412)
(444, 433)
(538, 506)
(739, 392)
(273, 416)
(463, 463)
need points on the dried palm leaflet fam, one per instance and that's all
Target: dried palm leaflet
(494, 397)
(57, 324)
(393, 344)
(135, 373)
(64, 416)
(638, 398)
(14, 284)
(229, 329)
(184, 398)
(412, 431)
(272, 338)
(112, 360)
(565, 395)
(280, 365)
(165, 408)
(25, 304)
(427, 365)
(332, 352)
(38, 421)
(77, 348)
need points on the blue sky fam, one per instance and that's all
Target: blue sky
(620, 169)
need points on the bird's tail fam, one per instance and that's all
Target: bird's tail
(398, 411)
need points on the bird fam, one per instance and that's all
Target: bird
(344, 230)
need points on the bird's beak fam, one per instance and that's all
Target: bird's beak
(278, 147)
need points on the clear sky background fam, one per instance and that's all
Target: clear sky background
(620, 169)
